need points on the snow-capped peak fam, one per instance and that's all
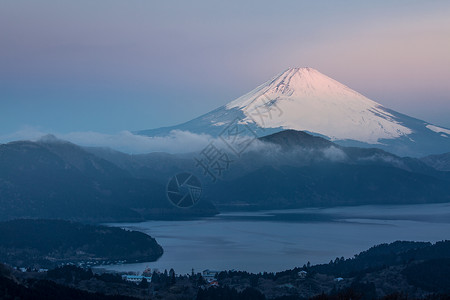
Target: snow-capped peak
(305, 99)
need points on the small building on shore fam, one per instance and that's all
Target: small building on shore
(302, 274)
(209, 275)
(136, 278)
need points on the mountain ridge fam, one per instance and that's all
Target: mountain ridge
(64, 181)
(288, 169)
(306, 100)
(292, 169)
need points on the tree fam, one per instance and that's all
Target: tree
(172, 276)
(143, 284)
(254, 280)
(201, 281)
(156, 278)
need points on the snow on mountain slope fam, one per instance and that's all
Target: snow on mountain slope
(439, 130)
(304, 99)
(308, 100)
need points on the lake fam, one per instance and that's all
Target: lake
(282, 239)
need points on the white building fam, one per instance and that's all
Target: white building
(302, 274)
(136, 278)
(209, 275)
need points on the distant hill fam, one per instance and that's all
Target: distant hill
(291, 169)
(288, 169)
(288, 139)
(57, 179)
(47, 243)
(440, 162)
(324, 185)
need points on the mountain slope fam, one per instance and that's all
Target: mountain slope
(306, 100)
(325, 185)
(291, 169)
(440, 162)
(301, 170)
(49, 243)
(60, 180)
(288, 169)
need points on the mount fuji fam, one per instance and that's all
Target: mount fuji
(304, 99)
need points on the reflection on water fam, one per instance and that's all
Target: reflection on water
(279, 240)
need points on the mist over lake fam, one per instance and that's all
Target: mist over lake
(283, 239)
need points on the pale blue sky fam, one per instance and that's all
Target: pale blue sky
(109, 65)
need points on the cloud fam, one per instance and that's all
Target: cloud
(334, 154)
(26, 133)
(297, 155)
(125, 141)
(386, 158)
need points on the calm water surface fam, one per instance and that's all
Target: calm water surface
(279, 240)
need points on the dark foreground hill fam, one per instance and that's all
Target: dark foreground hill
(46, 243)
(400, 270)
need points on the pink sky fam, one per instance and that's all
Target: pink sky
(112, 65)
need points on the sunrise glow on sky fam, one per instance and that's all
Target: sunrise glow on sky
(107, 66)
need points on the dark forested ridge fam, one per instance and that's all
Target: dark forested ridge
(439, 162)
(290, 169)
(400, 270)
(294, 169)
(57, 179)
(380, 256)
(46, 243)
